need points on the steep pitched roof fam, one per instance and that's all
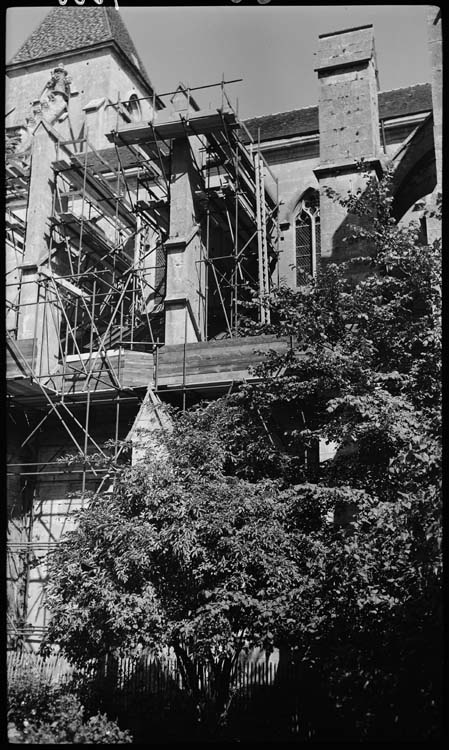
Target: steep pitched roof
(396, 103)
(66, 29)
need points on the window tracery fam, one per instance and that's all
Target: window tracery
(307, 237)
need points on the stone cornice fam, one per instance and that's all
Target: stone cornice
(374, 163)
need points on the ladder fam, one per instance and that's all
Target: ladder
(261, 216)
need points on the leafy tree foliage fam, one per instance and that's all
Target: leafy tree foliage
(180, 553)
(238, 539)
(365, 368)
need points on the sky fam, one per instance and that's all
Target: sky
(271, 46)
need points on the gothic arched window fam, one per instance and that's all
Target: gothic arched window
(307, 237)
(133, 107)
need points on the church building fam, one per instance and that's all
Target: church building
(140, 222)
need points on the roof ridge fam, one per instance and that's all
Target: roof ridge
(402, 88)
(283, 112)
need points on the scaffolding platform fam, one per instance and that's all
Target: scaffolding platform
(104, 371)
(211, 363)
(177, 366)
(98, 189)
(197, 124)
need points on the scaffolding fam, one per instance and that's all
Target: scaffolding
(98, 300)
(238, 195)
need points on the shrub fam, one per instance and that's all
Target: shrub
(44, 714)
(29, 697)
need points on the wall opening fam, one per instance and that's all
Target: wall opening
(307, 237)
(133, 107)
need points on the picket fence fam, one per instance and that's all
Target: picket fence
(51, 669)
(150, 673)
(125, 682)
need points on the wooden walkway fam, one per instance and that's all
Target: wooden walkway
(204, 364)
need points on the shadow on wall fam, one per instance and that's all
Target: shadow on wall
(414, 169)
(414, 177)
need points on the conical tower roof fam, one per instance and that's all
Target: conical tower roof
(66, 29)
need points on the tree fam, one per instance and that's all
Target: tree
(234, 541)
(179, 554)
(364, 366)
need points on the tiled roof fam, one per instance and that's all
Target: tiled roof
(407, 101)
(284, 124)
(65, 29)
(395, 103)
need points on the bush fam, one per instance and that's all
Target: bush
(40, 713)
(29, 697)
